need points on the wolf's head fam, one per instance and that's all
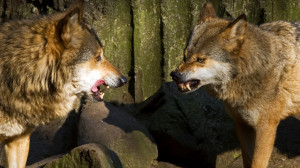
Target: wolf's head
(80, 50)
(210, 54)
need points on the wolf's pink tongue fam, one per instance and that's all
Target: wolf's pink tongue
(98, 83)
(94, 89)
(180, 85)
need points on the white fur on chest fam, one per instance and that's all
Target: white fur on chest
(64, 107)
(250, 116)
(11, 128)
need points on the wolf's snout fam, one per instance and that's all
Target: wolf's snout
(175, 75)
(123, 80)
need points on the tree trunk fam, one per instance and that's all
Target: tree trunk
(145, 39)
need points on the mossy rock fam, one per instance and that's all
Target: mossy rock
(188, 128)
(87, 156)
(106, 124)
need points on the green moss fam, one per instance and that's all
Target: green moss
(196, 6)
(236, 155)
(135, 150)
(282, 10)
(119, 48)
(251, 8)
(139, 35)
(176, 20)
(147, 48)
(112, 22)
(86, 156)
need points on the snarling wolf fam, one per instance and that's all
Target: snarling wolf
(255, 70)
(45, 64)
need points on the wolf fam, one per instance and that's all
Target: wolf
(255, 70)
(45, 65)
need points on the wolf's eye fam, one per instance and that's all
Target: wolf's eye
(200, 60)
(98, 58)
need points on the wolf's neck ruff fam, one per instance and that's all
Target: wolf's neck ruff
(256, 68)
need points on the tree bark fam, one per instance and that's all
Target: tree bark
(145, 39)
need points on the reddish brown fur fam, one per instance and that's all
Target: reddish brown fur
(258, 76)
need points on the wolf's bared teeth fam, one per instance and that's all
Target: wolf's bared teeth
(188, 87)
(102, 95)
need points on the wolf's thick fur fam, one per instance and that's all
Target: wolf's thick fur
(254, 70)
(44, 65)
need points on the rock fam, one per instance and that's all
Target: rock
(166, 165)
(193, 130)
(105, 124)
(85, 156)
(54, 138)
(190, 129)
(45, 161)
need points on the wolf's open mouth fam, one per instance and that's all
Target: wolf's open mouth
(188, 86)
(98, 93)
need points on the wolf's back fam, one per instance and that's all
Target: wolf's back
(26, 70)
(284, 29)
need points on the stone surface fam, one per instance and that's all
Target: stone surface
(85, 156)
(54, 138)
(193, 130)
(45, 161)
(106, 124)
(166, 165)
(189, 129)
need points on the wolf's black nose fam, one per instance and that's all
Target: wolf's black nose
(175, 75)
(123, 80)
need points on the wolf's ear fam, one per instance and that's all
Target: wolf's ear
(233, 35)
(237, 28)
(69, 26)
(207, 13)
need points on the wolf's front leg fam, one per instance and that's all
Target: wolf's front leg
(246, 136)
(256, 143)
(16, 151)
(264, 142)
